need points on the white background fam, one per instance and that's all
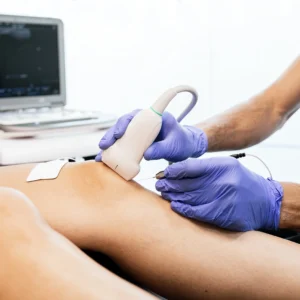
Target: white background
(121, 54)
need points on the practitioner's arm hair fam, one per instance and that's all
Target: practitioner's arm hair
(174, 256)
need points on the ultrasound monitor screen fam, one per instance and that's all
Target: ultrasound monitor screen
(29, 60)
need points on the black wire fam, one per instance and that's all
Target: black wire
(238, 155)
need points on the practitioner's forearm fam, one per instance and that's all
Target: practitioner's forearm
(255, 120)
(290, 207)
(244, 125)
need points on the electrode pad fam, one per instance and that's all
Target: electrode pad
(48, 170)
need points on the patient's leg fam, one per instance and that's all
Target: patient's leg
(38, 263)
(176, 257)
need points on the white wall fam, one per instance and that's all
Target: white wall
(253, 42)
(121, 54)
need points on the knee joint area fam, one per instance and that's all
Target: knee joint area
(16, 208)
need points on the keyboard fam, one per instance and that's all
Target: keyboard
(52, 118)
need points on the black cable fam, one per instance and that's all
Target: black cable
(238, 155)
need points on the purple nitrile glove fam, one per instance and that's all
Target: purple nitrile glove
(174, 142)
(221, 191)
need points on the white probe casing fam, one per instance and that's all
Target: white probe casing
(125, 155)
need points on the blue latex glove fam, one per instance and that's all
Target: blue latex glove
(221, 191)
(174, 142)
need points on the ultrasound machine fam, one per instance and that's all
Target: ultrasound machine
(32, 80)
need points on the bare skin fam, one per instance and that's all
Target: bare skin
(290, 208)
(253, 121)
(175, 257)
(39, 263)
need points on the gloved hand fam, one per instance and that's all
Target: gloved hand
(221, 191)
(174, 142)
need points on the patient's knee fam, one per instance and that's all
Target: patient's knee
(19, 218)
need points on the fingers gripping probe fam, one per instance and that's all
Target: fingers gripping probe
(125, 155)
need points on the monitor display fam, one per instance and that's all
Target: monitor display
(29, 60)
